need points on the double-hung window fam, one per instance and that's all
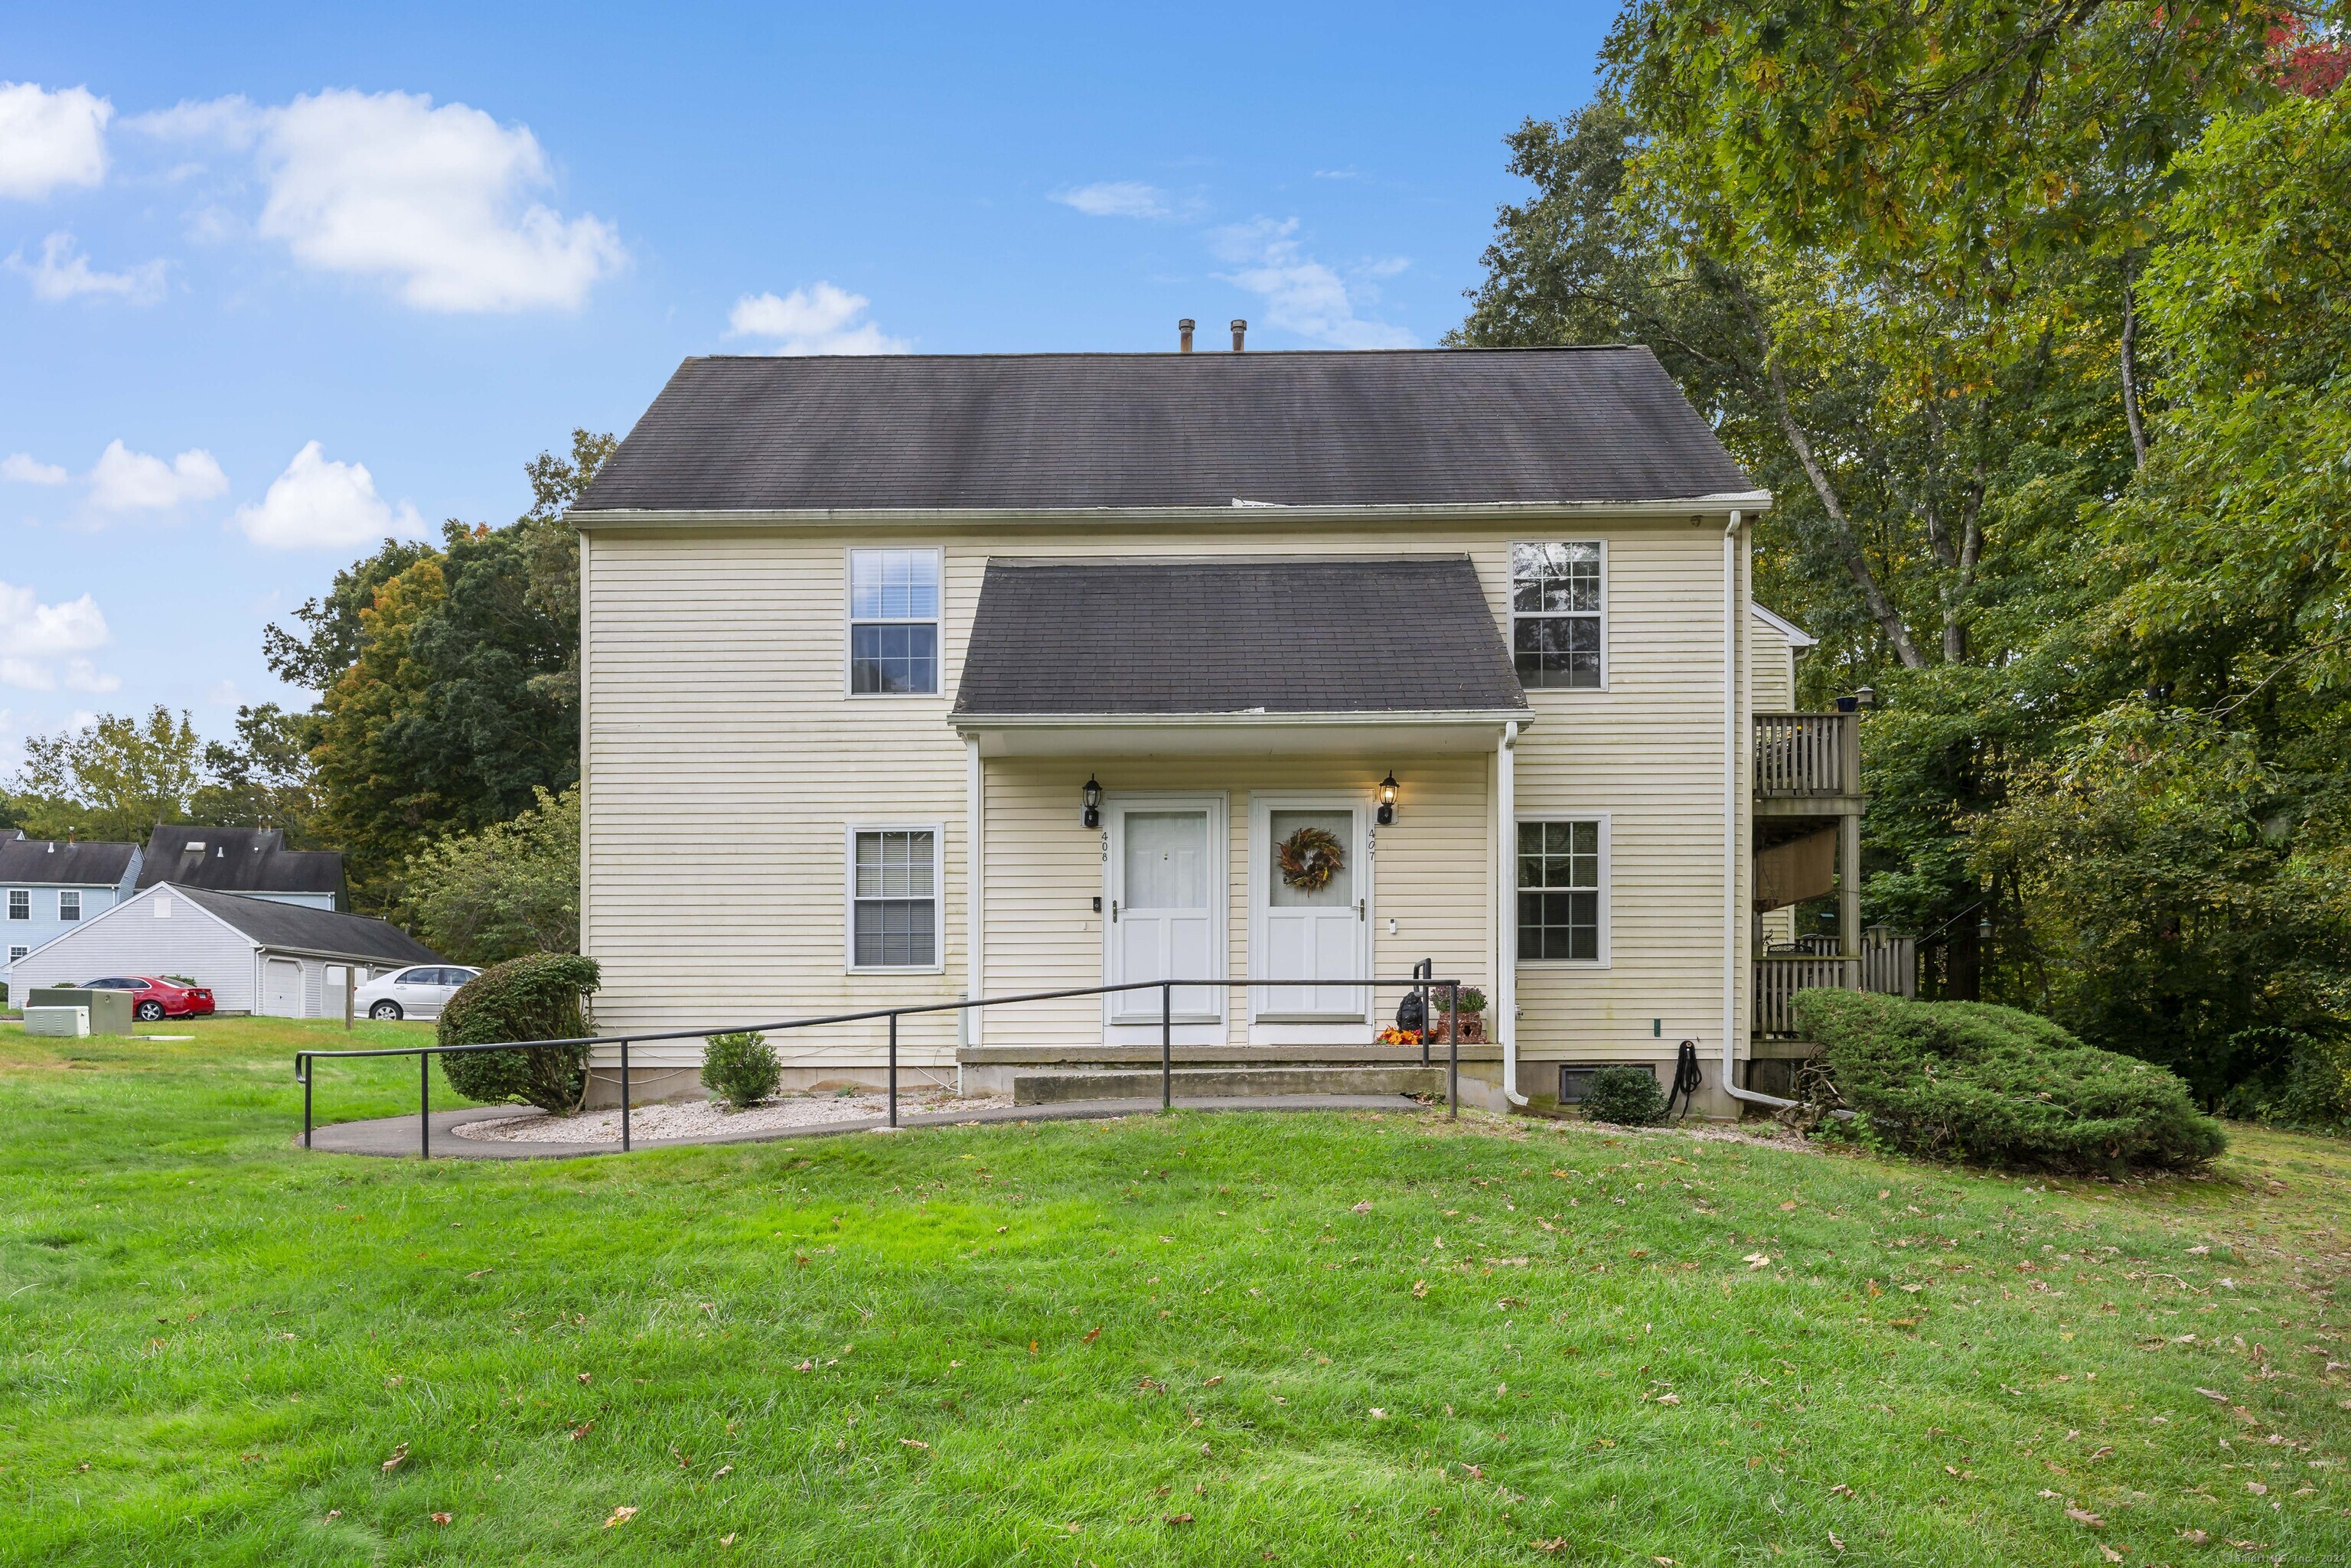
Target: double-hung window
(1562, 891)
(1556, 599)
(893, 898)
(20, 903)
(69, 904)
(894, 622)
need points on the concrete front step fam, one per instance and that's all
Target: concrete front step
(1221, 1083)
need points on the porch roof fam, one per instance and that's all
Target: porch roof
(1334, 645)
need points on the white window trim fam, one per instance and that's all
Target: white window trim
(938, 832)
(14, 895)
(1509, 574)
(15, 953)
(1607, 881)
(74, 894)
(848, 622)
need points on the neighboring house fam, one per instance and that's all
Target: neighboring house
(254, 862)
(856, 631)
(52, 886)
(258, 954)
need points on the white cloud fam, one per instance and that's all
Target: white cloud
(32, 634)
(316, 503)
(438, 201)
(128, 481)
(1303, 294)
(20, 468)
(81, 676)
(1117, 199)
(63, 273)
(818, 319)
(50, 138)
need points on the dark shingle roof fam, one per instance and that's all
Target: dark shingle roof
(1333, 634)
(1061, 431)
(238, 859)
(33, 860)
(299, 928)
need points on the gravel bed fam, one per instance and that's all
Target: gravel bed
(704, 1118)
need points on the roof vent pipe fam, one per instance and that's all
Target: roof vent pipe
(1240, 330)
(1184, 336)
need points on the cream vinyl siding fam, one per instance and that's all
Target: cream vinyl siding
(723, 755)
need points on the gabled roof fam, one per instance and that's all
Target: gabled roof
(236, 859)
(35, 862)
(1048, 431)
(299, 928)
(1206, 635)
(1796, 636)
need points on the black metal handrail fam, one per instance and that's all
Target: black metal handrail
(1423, 981)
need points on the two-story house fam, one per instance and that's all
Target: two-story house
(252, 861)
(52, 886)
(942, 676)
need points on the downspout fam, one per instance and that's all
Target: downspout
(1734, 781)
(975, 863)
(1506, 969)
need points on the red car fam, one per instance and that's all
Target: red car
(158, 997)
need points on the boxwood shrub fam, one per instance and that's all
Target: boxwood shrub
(1628, 1096)
(740, 1068)
(1993, 1085)
(539, 996)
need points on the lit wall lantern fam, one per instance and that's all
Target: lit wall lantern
(1091, 795)
(1387, 798)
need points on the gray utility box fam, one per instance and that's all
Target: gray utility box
(110, 1011)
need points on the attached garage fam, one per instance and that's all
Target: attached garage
(257, 955)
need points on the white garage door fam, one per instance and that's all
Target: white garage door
(281, 991)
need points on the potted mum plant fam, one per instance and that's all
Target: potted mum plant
(1472, 1019)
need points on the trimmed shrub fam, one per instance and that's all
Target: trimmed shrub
(740, 1068)
(539, 996)
(1993, 1085)
(1628, 1096)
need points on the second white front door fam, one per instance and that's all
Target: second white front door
(1164, 890)
(1310, 918)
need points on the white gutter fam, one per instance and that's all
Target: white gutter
(1734, 782)
(1249, 718)
(1676, 510)
(1506, 972)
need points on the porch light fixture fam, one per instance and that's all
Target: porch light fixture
(1091, 795)
(1387, 798)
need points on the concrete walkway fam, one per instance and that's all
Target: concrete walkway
(397, 1136)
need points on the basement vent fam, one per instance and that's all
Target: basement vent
(1575, 1077)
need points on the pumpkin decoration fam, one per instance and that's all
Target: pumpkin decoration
(1310, 858)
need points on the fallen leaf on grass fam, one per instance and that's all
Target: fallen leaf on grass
(1378, 1414)
(2083, 1516)
(722, 1470)
(399, 1456)
(1557, 1543)
(582, 1430)
(1420, 1289)
(1090, 1336)
(913, 1443)
(1756, 1261)
(1214, 1381)
(727, 1539)
(1837, 1540)
(1178, 1518)
(2108, 1553)
(583, 1377)
(1362, 1208)
(2195, 1537)
(2257, 1489)
(334, 1513)
(443, 1518)
(621, 1516)
(2213, 1394)
(1670, 1398)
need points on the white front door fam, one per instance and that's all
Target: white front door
(1311, 919)
(1164, 906)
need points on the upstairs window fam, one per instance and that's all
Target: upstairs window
(1556, 598)
(20, 903)
(893, 899)
(894, 622)
(69, 905)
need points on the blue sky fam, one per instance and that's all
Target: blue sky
(278, 282)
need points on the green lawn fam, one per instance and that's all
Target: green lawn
(1158, 1340)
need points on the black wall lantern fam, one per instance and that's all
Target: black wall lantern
(1091, 795)
(1387, 798)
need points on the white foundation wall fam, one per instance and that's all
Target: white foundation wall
(724, 761)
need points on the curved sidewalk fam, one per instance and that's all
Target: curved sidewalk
(396, 1136)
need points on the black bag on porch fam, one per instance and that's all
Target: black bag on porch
(1412, 1013)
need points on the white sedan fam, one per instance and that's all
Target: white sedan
(414, 993)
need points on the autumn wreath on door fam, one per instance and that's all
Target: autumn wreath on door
(1310, 858)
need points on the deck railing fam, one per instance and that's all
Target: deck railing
(1807, 754)
(1886, 964)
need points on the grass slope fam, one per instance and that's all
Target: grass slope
(1159, 1340)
